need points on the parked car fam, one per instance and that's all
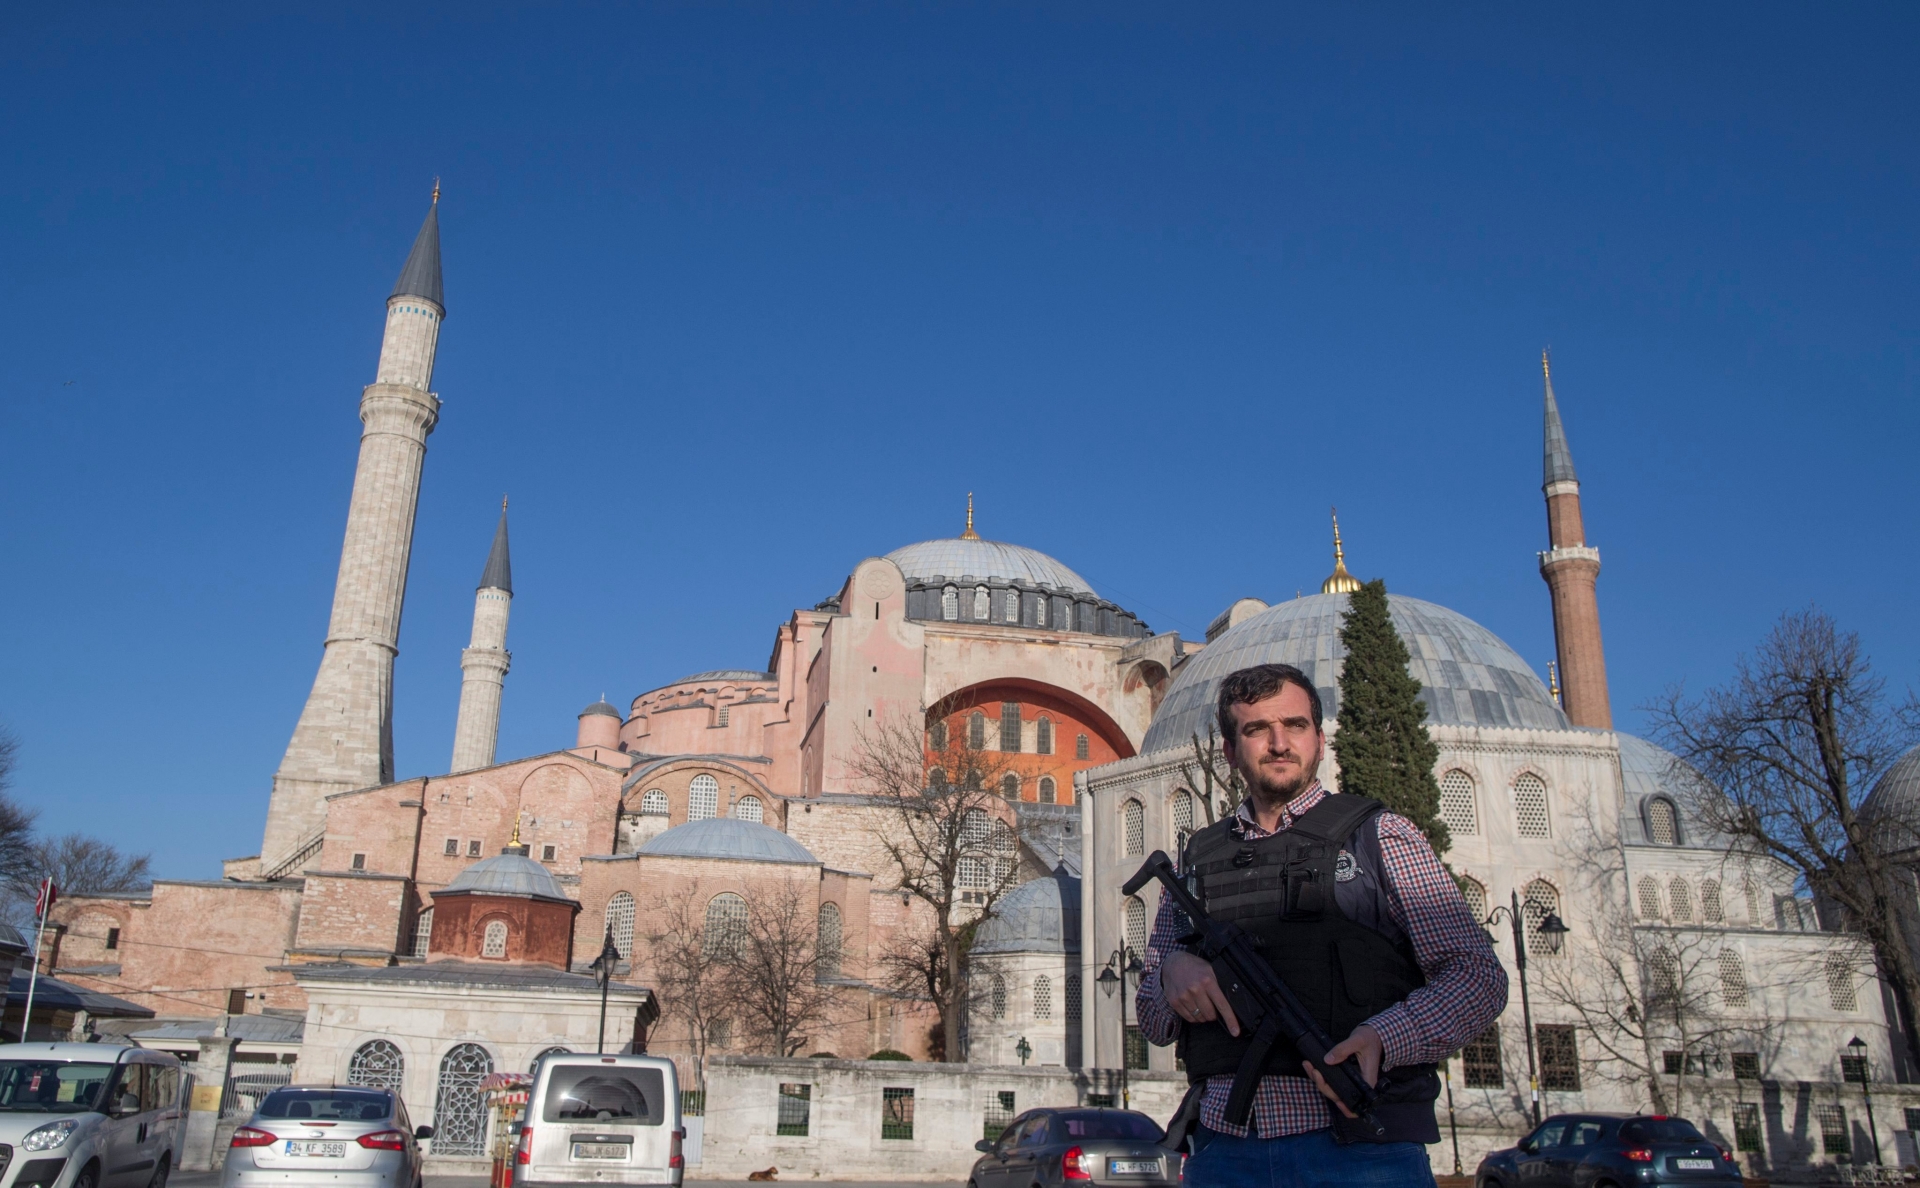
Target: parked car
(1609, 1151)
(90, 1115)
(600, 1120)
(1044, 1148)
(340, 1137)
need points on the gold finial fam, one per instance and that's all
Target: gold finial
(1546, 363)
(1339, 581)
(969, 534)
(436, 191)
(516, 828)
(503, 503)
(1553, 682)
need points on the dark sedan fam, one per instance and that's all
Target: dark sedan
(1047, 1148)
(1609, 1151)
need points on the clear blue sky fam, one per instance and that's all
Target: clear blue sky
(739, 295)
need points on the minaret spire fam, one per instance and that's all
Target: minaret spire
(1339, 581)
(1571, 569)
(484, 663)
(969, 534)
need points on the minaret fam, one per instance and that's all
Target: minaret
(345, 736)
(1571, 569)
(484, 664)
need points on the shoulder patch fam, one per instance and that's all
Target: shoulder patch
(1345, 869)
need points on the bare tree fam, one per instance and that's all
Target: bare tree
(18, 870)
(945, 830)
(82, 865)
(776, 976)
(1212, 778)
(690, 973)
(1784, 753)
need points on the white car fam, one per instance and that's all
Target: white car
(89, 1116)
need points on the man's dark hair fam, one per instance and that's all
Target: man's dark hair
(1245, 686)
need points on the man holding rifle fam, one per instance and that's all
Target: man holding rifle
(1351, 908)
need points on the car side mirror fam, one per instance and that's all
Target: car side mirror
(129, 1103)
(426, 1132)
(1531, 1146)
(984, 1146)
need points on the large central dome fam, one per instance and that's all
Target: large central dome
(958, 557)
(1468, 675)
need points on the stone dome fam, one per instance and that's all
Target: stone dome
(1895, 801)
(508, 874)
(601, 709)
(1468, 675)
(723, 674)
(727, 837)
(1039, 916)
(958, 557)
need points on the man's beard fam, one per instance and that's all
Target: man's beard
(1281, 791)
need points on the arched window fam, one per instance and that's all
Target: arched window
(1456, 804)
(937, 735)
(1133, 828)
(653, 803)
(1680, 896)
(1182, 820)
(828, 947)
(1663, 970)
(1047, 792)
(1137, 924)
(542, 1054)
(703, 798)
(1476, 897)
(1010, 727)
(494, 942)
(459, 1117)
(977, 731)
(1663, 824)
(1002, 852)
(422, 931)
(620, 915)
(1043, 735)
(1010, 786)
(377, 1064)
(1013, 606)
(937, 778)
(1073, 998)
(1080, 748)
(1840, 989)
(1040, 611)
(726, 925)
(1537, 902)
(1711, 909)
(1733, 979)
(981, 612)
(1754, 917)
(1649, 897)
(748, 808)
(950, 604)
(976, 834)
(999, 997)
(1530, 806)
(1042, 997)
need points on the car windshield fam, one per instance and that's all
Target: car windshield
(1109, 1124)
(51, 1086)
(1660, 1130)
(338, 1105)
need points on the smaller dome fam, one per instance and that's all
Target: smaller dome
(1896, 793)
(1039, 916)
(727, 837)
(507, 874)
(602, 709)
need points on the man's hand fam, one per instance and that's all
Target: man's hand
(1364, 1042)
(1189, 987)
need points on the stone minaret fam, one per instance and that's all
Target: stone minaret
(345, 736)
(1571, 569)
(484, 664)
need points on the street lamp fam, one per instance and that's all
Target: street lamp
(1553, 932)
(603, 966)
(1859, 1047)
(1023, 1049)
(1127, 962)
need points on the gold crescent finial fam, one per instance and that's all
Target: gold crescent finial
(1339, 581)
(436, 191)
(969, 534)
(1546, 363)
(1553, 682)
(516, 828)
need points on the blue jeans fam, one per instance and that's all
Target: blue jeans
(1310, 1160)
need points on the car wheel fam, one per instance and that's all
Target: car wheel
(160, 1173)
(89, 1177)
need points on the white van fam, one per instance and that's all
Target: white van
(600, 1120)
(89, 1115)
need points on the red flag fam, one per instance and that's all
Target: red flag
(43, 903)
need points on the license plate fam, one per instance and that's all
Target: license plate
(317, 1150)
(600, 1150)
(1133, 1167)
(1694, 1164)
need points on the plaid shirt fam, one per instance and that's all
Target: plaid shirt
(1466, 987)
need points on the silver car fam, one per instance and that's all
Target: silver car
(1044, 1148)
(322, 1135)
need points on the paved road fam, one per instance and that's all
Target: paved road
(212, 1180)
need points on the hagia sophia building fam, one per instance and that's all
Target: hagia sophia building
(420, 933)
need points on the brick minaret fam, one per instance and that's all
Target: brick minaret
(345, 736)
(1571, 569)
(484, 664)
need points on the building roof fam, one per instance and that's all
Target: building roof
(421, 276)
(1468, 675)
(725, 837)
(1648, 769)
(1039, 916)
(502, 975)
(958, 557)
(498, 575)
(1559, 459)
(723, 674)
(509, 874)
(602, 709)
(258, 1029)
(1894, 800)
(51, 991)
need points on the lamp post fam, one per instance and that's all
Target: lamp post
(1552, 931)
(1859, 1048)
(603, 967)
(1023, 1049)
(1127, 962)
(1446, 1070)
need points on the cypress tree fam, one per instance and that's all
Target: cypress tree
(1382, 744)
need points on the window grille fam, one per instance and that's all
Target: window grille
(693, 1102)
(1456, 803)
(1733, 979)
(1010, 727)
(1040, 611)
(1136, 1048)
(720, 1033)
(1834, 1139)
(1661, 824)
(1043, 736)
(726, 925)
(1681, 898)
(827, 949)
(1530, 806)
(1000, 1112)
(1047, 790)
(1080, 748)
(359, 862)
(1013, 606)
(1746, 1066)
(1476, 897)
(1010, 786)
(473, 848)
(796, 1103)
(1671, 1064)
(453, 847)
(1853, 1069)
(1002, 851)
(1746, 1126)
(937, 736)
(748, 808)
(950, 604)
(1559, 1057)
(653, 803)
(1711, 910)
(703, 798)
(1043, 997)
(1650, 897)
(377, 1064)
(723, 715)
(1913, 1118)
(1538, 902)
(977, 731)
(1840, 991)
(1101, 1101)
(422, 931)
(1073, 998)
(494, 943)
(620, 917)
(997, 998)
(1137, 924)
(1481, 1061)
(1754, 918)
(459, 1116)
(1133, 817)
(1182, 820)
(980, 609)
(1663, 968)
(896, 1113)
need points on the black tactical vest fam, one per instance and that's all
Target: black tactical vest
(1314, 900)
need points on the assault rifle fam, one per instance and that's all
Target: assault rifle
(1266, 1009)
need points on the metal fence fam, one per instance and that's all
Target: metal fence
(245, 1089)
